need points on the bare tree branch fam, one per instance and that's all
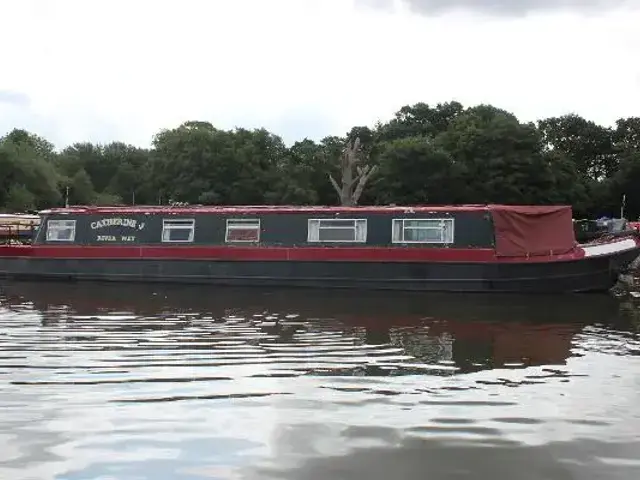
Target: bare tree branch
(362, 182)
(336, 186)
(353, 173)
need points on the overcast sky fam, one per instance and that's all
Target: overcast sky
(102, 70)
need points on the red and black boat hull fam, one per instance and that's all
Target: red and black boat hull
(474, 270)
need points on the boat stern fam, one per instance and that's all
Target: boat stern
(623, 252)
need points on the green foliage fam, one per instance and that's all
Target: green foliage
(415, 171)
(438, 154)
(25, 162)
(588, 145)
(501, 157)
(19, 199)
(420, 120)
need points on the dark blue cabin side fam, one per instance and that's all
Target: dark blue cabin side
(472, 229)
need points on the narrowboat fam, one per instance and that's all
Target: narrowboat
(466, 248)
(17, 227)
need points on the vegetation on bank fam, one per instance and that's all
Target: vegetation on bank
(439, 154)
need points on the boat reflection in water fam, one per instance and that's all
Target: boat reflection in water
(467, 331)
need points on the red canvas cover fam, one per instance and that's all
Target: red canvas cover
(532, 230)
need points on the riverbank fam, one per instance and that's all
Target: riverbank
(628, 284)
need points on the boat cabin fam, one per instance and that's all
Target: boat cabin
(467, 226)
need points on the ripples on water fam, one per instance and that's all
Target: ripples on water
(135, 382)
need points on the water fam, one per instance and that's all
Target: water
(148, 382)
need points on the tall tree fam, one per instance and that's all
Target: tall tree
(25, 164)
(415, 171)
(355, 172)
(420, 120)
(502, 159)
(588, 145)
(199, 163)
(627, 135)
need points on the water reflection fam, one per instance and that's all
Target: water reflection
(191, 382)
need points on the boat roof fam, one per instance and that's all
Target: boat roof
(17, 215)
(261, 209)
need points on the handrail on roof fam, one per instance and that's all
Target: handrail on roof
(173, 209)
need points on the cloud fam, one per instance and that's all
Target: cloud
(502, 7)
(61, 126)
(9, 97)
(102, 70)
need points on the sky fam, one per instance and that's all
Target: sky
(105, 70)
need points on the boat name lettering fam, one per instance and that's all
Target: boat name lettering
(117, 222)
(113, 238)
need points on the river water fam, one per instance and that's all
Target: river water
(150, 382)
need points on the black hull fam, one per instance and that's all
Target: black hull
(584, 275)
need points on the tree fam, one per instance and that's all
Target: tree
(25, 163)
(501, 157)
(625, 182)
(41, 147)
(569, 187)
(588, 145)
(355, 173)
(415, 171)
(420, 120)
(442, 153)
(130, 180)
(19, 199)
(197, 161)
(304, 166)
(81, 189)
(627, 135)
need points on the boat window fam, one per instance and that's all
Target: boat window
(178, 231)
(61, 230)
(337, 230)
(241, 230)
(424, 230)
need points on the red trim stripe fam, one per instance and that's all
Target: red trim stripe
(234, 253)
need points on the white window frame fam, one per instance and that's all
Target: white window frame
(53, 223)
(187, 223)
(242, 224)
(311, 238)
(402, 228)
